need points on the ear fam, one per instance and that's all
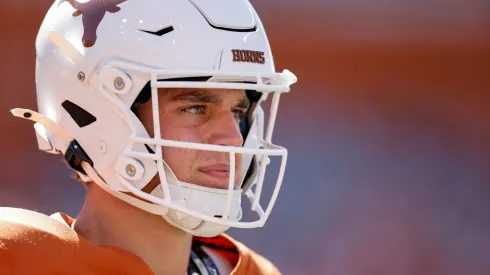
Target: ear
(77, 13)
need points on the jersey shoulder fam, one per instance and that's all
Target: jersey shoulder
(34, 243)
(247, 261)
(28, 230)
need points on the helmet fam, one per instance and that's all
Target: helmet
(96, 58)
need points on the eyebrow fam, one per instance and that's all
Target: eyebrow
(198, 96)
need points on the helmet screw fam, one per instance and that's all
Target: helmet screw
(102, 146)
(119, 83)
(130, 170)
(81, 76)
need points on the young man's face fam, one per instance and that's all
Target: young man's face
(209, 116)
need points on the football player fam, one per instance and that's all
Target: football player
(157, 107)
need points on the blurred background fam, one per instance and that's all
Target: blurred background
(388, 132)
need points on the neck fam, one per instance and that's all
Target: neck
(106, 220)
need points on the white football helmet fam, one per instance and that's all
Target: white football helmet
(96, 58)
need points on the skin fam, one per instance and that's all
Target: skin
(209, 116)
(200, 116)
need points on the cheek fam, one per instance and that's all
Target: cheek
(171, 128)
(181, 134)
(180, 160)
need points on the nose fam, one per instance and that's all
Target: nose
(224, 130)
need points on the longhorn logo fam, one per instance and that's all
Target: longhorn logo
(92, 13)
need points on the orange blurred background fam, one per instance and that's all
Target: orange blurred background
(388, 131)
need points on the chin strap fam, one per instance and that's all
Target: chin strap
(149, 207)
(52, 138)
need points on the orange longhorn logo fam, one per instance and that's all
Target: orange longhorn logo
(92, 13)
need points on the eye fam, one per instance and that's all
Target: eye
(194, 110)
(239, 114)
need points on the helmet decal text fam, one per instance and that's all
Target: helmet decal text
(248, 56)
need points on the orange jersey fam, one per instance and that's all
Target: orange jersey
(33, 243)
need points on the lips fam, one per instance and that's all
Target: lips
(221, 171)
